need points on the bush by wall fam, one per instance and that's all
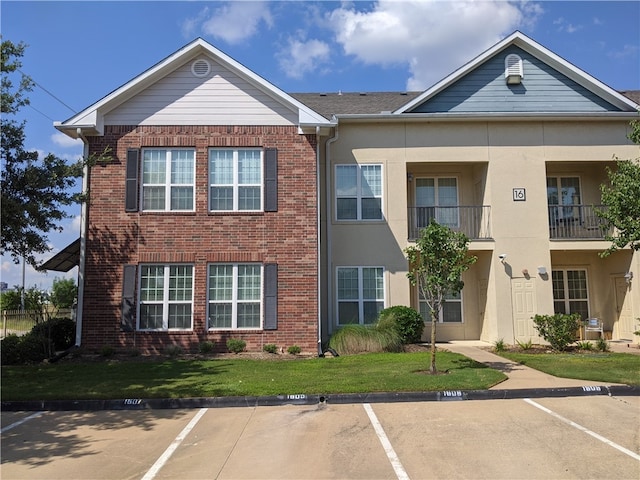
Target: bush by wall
(41, 342)
(559, 329)
(405, 320)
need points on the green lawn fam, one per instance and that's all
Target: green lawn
(375, 372)
(598, 367)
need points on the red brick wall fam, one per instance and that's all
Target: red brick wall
(287, 237)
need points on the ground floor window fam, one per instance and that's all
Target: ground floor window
(235, 296)
(451, 311)
(166, 297)
(570, 292)
(360, 294)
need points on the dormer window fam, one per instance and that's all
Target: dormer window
(513, 70)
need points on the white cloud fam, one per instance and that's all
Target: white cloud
(64, 141)
(626, 52)
(300, 57)
(432, 37)
(232, 22)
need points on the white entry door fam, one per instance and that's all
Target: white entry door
(623, 307)
(523, 299)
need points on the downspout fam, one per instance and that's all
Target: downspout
(318, 242)
(83, 239)
(329, 218)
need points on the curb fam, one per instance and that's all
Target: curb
(304, 399)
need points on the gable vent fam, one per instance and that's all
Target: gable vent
(513, 69)
(200, 67)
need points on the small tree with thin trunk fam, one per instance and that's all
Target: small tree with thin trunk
(436, 265)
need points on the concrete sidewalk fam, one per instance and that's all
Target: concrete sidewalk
(520, 377)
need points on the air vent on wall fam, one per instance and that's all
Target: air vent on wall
(513, 69)
(200, 67)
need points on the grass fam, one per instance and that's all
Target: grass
(374, 372)
(598, 367)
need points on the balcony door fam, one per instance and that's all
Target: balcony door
(437, 198)
(564, 200)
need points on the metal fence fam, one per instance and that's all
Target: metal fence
(473, 221)
(20, 322)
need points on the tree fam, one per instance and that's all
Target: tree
(436, 265)
(621, 197)
(63, 292)
(34, 191)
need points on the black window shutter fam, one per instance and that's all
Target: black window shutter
(128, 321)
(271, 180)
(131, 186)
(271, 296)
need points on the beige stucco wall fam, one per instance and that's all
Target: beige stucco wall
(489, 159)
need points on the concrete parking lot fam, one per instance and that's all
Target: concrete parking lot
(570, 437)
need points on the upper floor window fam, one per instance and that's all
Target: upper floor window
(166, 297)
(358, 192)
(360, 294)
(168, 179)
(235, 179)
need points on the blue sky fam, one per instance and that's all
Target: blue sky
(79, 51)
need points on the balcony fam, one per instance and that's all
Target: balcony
(576, 222)
(473, 221)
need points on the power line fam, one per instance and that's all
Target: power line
(46, 91)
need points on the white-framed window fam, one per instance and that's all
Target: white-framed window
(166, 297)
(168, 179)
(358, 192)
(235, 179)
(451, 311)
(437, 197)
(235, 296)
(570, 291)
(360, 294)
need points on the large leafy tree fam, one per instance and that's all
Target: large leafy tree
(63, 292)
(35, 191)
(436, 265)
(621, 196)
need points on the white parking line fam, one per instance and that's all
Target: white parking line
(20, 422)
(153, 471)
(585, 430)
(386, 444)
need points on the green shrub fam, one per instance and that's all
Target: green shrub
(60, 331)
(499, 345)
(236, 345)
(352, 339)
(602, 345)
(585, 345)
(559, 329)
(33, 348)
(206, 347)
(294, 349)
(525, 345)
(173, 350)
(405, 320)
(10, 350)
(270, 348)
(107, 351)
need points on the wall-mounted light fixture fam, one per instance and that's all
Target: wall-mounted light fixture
(502, 256)
(628, 277)
(542, 270)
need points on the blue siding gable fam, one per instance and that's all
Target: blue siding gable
(543, 90)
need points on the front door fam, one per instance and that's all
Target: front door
(523, 295)
(625, 326)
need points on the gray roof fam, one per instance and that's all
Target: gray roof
(329, 104)
(631, 94)
(371, 103)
